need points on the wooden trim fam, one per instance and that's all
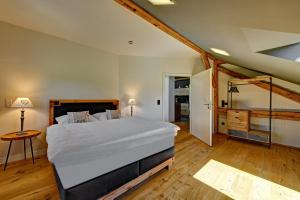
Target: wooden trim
(51, 112)
(219, 62)
(205, 61)
(53, 103)
(215, 84)
(288, 146)
(232, 73)
(294, 96)
(256, 79)
(129, 4)
(259, 113)
(117, 192)
(284, 92)
(114, 101)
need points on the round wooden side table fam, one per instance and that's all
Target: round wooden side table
(28, 134)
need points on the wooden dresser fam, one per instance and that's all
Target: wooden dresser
(238, 120)
(239, 125)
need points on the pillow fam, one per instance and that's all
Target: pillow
(64, 119)
(78, 117)
(113, 114)
(92, 119)
(100, 116)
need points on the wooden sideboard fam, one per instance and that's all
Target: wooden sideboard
(239, 126)
(238, 120)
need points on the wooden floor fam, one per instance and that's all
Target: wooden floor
(279, 164)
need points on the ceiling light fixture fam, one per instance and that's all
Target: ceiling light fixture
(162, 2)
(219, 51)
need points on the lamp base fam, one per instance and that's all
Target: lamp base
(21, 133)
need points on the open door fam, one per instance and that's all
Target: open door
(201, 106)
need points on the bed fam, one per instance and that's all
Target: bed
(102, 160)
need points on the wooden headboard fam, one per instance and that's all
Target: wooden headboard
(61, 107)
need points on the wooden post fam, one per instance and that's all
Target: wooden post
(215, 96)
(205, 61)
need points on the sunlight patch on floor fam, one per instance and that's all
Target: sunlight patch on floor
(238, 184)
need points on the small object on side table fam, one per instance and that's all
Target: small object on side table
(28, 134)
(131, 102)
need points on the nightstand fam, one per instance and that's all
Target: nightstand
(15, 136)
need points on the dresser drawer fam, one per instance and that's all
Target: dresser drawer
(238, 120)
(237, 115)
(238, 126)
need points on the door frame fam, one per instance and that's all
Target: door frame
(165, 93)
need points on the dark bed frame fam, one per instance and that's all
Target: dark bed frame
(112, 184)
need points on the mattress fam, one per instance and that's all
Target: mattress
(81, 152)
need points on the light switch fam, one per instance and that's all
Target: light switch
(158, 102)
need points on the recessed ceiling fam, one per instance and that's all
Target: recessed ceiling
(221, 24)
(102, 24)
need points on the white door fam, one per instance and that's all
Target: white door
(201, 106)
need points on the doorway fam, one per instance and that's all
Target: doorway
(200, 97)
(177, 100)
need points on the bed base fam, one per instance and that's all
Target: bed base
(111, 185)
(121, 190)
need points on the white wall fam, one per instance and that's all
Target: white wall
(284, 131)
(142, 78)
(43, 67)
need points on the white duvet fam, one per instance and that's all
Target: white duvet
(101, 139)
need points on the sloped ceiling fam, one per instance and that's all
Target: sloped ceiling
(102, 24)
(225, 25)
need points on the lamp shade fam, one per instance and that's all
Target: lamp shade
(131, 102)
(22, 102)
(233, 89)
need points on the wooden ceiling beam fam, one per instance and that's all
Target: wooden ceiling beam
(205, 61)
(129, 4)
(284, 92)
(232, 73)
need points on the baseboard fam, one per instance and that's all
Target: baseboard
(284, 145)
(20, 156)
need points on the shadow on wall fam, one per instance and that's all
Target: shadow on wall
(198, 66)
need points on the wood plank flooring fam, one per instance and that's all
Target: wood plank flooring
(279, 164)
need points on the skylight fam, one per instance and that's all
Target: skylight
(290, 52)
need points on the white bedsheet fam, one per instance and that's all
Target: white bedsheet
(83, 151)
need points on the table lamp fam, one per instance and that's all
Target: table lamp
(22, 102)
(131, 102)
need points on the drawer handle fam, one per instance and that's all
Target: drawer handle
(236, 117)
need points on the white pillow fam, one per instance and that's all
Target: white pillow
(113, 114)
(64, 119)
(92, 119)
(100, 116)
(78, 117)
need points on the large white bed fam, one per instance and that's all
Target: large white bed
(104, 158)
(82, 151)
